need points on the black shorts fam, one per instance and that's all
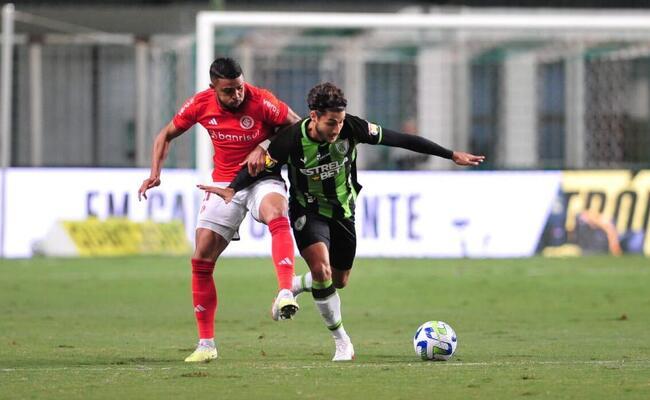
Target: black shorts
(339, 235)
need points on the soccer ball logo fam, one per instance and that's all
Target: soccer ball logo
(435, 340)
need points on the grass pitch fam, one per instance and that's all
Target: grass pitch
(527, 328)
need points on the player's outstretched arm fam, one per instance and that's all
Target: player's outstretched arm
(244, 179)
(241, 181)
(159, 154)
(426, 146)
(462, 158)
(226, 193)
(278, 154)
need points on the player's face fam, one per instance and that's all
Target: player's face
(230, 92)
(328, 126)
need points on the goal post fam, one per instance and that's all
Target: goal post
(486, 81)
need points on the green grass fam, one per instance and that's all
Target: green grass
(527, 328)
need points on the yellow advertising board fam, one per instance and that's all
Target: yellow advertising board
(613, 205)
(113, 237)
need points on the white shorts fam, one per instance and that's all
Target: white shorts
(225, 219)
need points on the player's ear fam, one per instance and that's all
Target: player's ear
(211, 86)
(313, 115)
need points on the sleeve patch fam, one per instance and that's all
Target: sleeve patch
(275, 110)
(185, 106)
(373, 129)
(270, 163)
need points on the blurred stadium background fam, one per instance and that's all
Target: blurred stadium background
(90, 84)
(564, 98)
(562, 112)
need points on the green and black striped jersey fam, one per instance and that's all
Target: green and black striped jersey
(323, 175)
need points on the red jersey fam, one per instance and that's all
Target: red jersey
(234, 134)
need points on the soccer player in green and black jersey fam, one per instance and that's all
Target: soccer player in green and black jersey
(320, 152)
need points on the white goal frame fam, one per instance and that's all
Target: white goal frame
(614, 23)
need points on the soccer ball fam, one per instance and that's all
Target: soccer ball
(435, 340)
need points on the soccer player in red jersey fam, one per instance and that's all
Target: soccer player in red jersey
(239, 118)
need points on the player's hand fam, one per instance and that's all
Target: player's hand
(146, 185)
(226, 193)
(256, 161)
(461, 158)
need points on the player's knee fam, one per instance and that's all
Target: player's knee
(209, 245)
(203, 250)
(340, 282)
(273, 206)
(321, 272)
(204, 254)
(271, 214)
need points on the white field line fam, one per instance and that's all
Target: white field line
(452, 364)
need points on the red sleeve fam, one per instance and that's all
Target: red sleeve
(274, 110)
(186, 115)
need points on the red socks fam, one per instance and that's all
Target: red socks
(282, 251)
(204, 296)
(204, 293)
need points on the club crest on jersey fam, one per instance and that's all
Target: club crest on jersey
(342, 146)
(246, 122)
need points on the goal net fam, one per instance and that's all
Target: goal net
(548, 89)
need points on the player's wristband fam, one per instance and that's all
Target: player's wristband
(265, 144)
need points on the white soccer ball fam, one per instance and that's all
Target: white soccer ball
(435, 340)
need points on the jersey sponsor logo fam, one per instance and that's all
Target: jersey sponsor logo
(246, 122)
(319, 157)
(232, 137)
(322, 172)
(342, 146)
(272, 107)
(213, 122)
(373, 129)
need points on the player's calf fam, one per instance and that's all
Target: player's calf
(301, 283)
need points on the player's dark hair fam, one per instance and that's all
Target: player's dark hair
(326, 97)
(225, 68)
